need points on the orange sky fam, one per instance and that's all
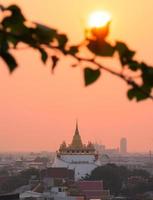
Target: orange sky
(38, 110)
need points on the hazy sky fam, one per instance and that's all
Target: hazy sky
(38, 110)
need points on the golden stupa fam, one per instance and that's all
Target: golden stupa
(76, 146)
(76, 141)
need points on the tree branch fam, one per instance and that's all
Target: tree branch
(128, 80)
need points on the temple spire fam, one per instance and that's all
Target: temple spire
(76, 129)
(76, 141)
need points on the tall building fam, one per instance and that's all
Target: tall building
(77, 156)
(123, 145)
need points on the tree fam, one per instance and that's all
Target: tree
(112, 176)
(10, 183)
(115, 178)
(16, 31)
(4, 172)
(141, 173)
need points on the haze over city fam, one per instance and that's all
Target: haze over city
(38, 110)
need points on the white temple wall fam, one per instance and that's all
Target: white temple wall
(81, 169)
(78, 158)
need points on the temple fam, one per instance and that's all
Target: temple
(78, 156)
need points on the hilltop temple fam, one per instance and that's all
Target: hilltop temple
(78, 156)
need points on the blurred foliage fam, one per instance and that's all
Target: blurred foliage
(16, 31)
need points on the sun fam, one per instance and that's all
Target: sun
(98, 19)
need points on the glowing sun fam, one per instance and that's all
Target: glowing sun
(98, 19)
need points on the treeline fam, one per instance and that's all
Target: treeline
(10, 183)
(121, 181)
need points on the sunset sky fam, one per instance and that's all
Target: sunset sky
(38, 110)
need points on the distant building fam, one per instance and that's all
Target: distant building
(58, 173)
(77, 156)
(111, 151)
(123, 145)
(91, 190)
(100, 148)
(9, 197)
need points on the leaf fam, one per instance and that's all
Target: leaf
(15, 22)
(16, 12)
(13, 25)
(9, 60)
(139, 93)
(91, 75)
(124, 52)
(147, 75)
(3, 42)
(44, 34)
(13, 40)
(44, 55)
(55, 59)
(134, 65)
(62, 40)
(101, 48)
(144, 91)
(73, 50)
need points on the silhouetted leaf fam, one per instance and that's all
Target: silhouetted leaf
(15, 22)
(91, 75)
(124, 52)
(147, 75)
(73, 50)
(55, 59)
(101, 48)
(29, 37)
(134, 65)
(62, 40)
(3, 42)
(139, 93)
(9, 60)
(13, 40)
(44, 34)
(44, 55)
(16, 12)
